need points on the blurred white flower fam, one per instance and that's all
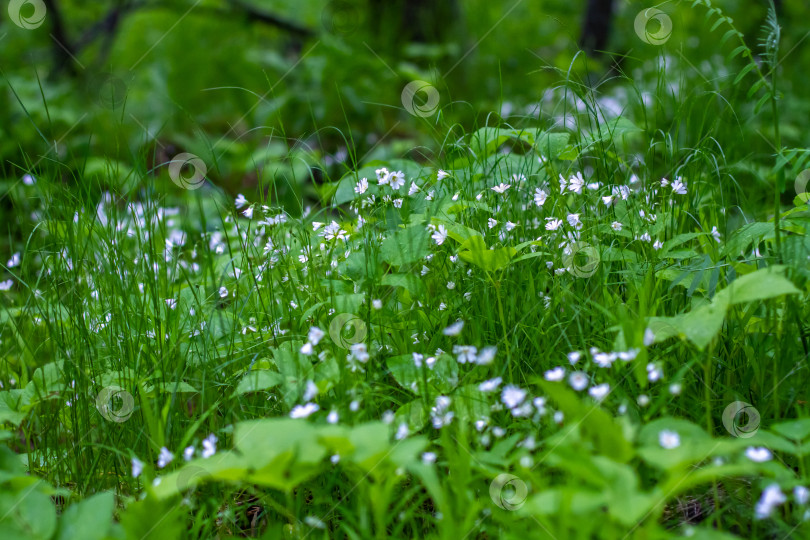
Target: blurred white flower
(679, 186)
(440, 235)
(512, 396)
(454, 329)
(599, 392)
(303, 411)
(359, 352)
(315, 335)
(137, 467)
(771, 497)
(465, 353)
(604, 359)
(490, 385)
(402, 431)
(310, 391)
(209, 446)
(540, 197)
(486, 356)
(362, 186)
(802, 494)
(396, 180)
(333, 231)
(758, 454)
(654, 373)
(164, 458)
(669, 439)
(578, 380)
(555, 374)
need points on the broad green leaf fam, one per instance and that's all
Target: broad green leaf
(760, 285)
(172, 388)
(406, 246)
(474, 251)
(739, 241)
(258, 380)
(694, 445)
(443, 376)
(9, 403)
(359, 265)
(486, 140)
(89, 519)
(797, 430)
(703, 323)
(140, 517)
(458, 232)
(410, 282)
(594, 422)
(558, 501)
(627, 503)
(282, 452)
(29, 515)
(470, 404)
(413, 414)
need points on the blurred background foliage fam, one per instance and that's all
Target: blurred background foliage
(295, 91)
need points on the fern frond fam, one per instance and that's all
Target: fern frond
(771, 35)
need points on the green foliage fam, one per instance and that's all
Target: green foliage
(298, 346)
